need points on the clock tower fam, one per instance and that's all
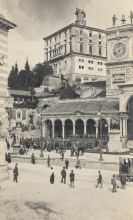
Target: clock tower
(119, 58)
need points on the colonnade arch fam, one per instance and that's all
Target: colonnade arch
(48, 130)
(68, 128)
(58, 128)
(65, 128)
(91, 127)
(79, 127)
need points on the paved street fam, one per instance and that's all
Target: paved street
(35, 198)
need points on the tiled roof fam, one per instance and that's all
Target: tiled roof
(86, 106)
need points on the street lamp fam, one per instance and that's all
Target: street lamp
(101, 141)
(41, 143)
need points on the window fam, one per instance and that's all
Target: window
(100, 42)
(81, 48)
(82, 60)
(100, 63)
(90, 49)
(90, 68)
(86, 78)
(90, 41)
(65, 61)
(81, 67)
(81, 32)
(90, 34)
(79, 60)
(81, 39)
(90, 61)
(100, 69)
(100, 51)
(18, 115)
(99, 36)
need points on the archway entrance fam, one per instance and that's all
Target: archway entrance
(104, 128)
(91, 127)
(68, 128)
(58, 128)
(79, 128)
(130, 119)
(48, 125)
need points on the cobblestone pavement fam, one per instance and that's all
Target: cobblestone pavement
(34, 198)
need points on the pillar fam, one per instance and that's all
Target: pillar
(52, 128)
(73, 128)
(84, 127)
(43, 129)
(63, 130)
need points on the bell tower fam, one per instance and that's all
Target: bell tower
(119, 57)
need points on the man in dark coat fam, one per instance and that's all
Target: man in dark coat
(72, 178)
(15, 173)
(33, 158)
(48, 161)
(52, 176)
(67, 163)
(99, 179)
(63, 175)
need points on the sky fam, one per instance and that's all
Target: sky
(35, 19)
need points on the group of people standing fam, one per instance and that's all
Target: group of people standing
(63, 177)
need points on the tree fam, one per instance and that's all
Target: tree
(25, 77)
(13, 82)
(68, 93)
(41, 72)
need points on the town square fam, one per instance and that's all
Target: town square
(66, 110)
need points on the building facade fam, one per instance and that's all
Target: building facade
(81, 117)
(5, 101)
(77, 51)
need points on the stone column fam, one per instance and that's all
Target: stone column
(43, 129)
(121, 126)
(53, 129)
(63, 129)
(84, 127)
(73, 128)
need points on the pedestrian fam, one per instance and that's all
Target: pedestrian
(114, 184)
(129, 163)
(67, 163)
(99, 179)
(72, 179)
(52, 177)
(48, 161)
(15, 173)
(62, 155)
(32, 158)
(123, 181)
(63, 175)
(78, 164)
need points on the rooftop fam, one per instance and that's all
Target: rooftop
(83, 106)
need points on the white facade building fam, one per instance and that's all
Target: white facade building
(77, 51)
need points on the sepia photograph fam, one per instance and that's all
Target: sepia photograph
(66, 110)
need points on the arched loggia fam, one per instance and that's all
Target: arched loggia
(79, 127)
(58, 128)
(91, 127)
(68, 128)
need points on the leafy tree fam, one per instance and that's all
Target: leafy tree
(13, 78)
(41, 72)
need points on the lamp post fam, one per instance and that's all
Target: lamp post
(41, 143)
(101, 141)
